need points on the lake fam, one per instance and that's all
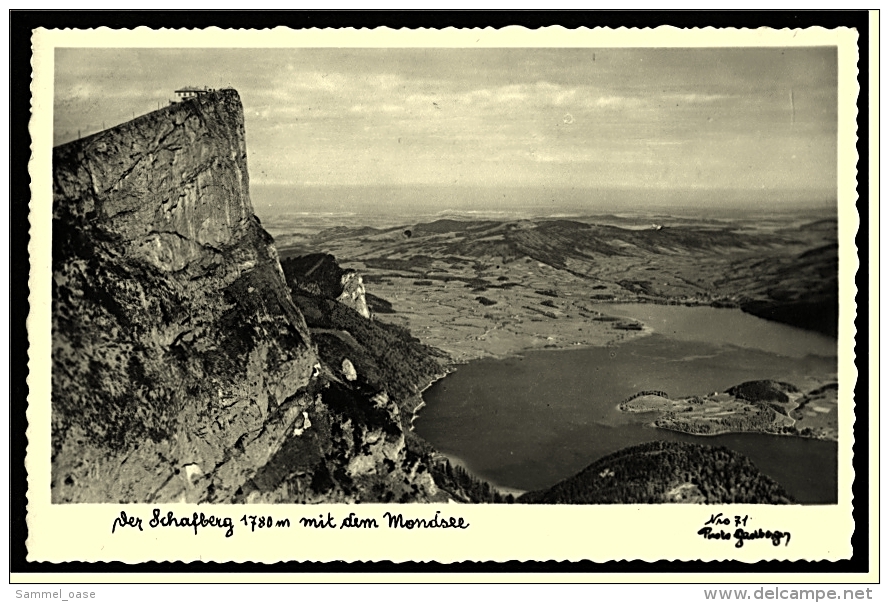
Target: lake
(529, 421)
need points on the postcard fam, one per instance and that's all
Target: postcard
(443, 295)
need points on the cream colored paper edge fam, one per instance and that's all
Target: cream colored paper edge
(497, 532)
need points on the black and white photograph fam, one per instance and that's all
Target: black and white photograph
(448, 277)
(626, 259)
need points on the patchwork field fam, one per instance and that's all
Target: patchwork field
(492, 288)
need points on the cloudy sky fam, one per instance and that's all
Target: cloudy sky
(649, 118)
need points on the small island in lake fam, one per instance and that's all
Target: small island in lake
(764, 406)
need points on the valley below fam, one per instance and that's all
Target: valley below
(489, 288)
(552, 324)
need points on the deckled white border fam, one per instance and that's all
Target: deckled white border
(499, 532)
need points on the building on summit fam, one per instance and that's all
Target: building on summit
(190, 92)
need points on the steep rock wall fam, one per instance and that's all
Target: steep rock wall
(181, 367)
(353, 294)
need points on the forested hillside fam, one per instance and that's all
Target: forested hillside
(666, 472)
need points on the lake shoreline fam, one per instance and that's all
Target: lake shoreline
(503, 490)
(454, 365)
(553, 411)
(415, 413)
(715, 429)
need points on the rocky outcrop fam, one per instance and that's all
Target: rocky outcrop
(353, 450)
(384, 356)
(182, 370)
(353, 294)
(348, 370)
(320, 274)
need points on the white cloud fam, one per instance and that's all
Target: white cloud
(615, 102)
(563, 97)
(697, 98)
(324, 115)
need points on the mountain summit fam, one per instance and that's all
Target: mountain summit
(181, 368)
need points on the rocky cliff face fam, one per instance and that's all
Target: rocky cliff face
(380, 355)
(182, 370)
(353, 294)
(320, 274)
